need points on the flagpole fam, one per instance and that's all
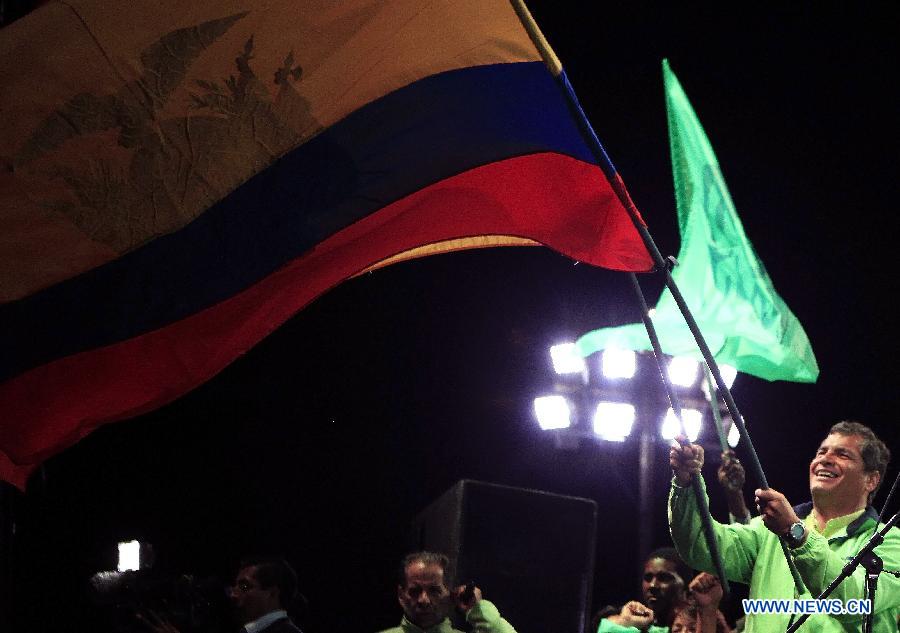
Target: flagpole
(555, 67)
(705, 515)
(551, 61)
(720, 382)
(714, 407)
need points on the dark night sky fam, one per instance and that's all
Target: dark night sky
(325, 440)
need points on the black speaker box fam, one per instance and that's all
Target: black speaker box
(530, 552)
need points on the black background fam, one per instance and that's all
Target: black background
(325, 440)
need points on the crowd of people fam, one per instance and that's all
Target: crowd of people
(820, 536)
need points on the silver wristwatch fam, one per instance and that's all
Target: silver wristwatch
(795, 534)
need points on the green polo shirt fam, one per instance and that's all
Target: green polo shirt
(752, 555)
(608, 627)
(833, 526)
(483, 618)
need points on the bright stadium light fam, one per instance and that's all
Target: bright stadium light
(618, 363)
(729, 374)
(683, 371)
(129, 556)
(613, 420)
(670, 427)
(566, 359)
(734, 436)
(552, 412)
(692, 421)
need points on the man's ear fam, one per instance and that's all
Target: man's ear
(873, 480)
(400, 594)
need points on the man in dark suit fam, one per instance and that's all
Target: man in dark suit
(262, 590)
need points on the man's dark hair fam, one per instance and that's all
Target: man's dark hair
(671, 555)
(426, 558)
(875, 453)
(277, 572)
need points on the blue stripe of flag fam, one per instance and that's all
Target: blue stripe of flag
(432, 129)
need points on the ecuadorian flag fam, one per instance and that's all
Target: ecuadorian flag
(178, 178)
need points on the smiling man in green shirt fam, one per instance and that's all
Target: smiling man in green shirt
(844, 475)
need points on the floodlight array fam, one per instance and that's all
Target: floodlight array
(613, 417)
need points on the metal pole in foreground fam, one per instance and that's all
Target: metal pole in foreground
(645, 491)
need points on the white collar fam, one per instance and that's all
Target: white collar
(260, 623)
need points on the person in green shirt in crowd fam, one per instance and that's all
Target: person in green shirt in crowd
(426, 600)
(844, 475)
(664, 579)
(665, 576)
(666, 587)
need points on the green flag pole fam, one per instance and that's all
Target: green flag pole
(714, 406)
(705, 515)
(661, 266)
(711, 363)
(736, 416)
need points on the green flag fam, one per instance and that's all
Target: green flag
(745, 323)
